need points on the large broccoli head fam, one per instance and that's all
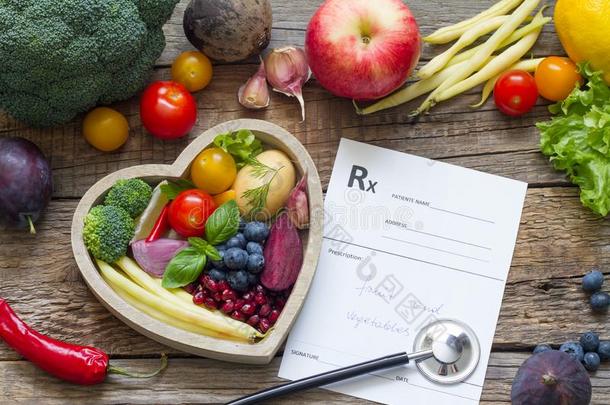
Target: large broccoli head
(107, 232)
(60, 58)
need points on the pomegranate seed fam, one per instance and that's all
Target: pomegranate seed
(264, 310)
(253, 320)
(239, 303)
(227, 307)
(211, 284)
(223, 285)
(217, 296)
(279, 303)
(248, 296)
(238, 316)
(202, 278)
(248, 309)
(264, 325)
(198, 288)
(273, 316)
(260, 298)
(228, 295)
(259, 288)
(205, 292)
(198, 298)
(190, 288)
(210, 303)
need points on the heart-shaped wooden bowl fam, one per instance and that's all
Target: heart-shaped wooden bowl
(256, 353)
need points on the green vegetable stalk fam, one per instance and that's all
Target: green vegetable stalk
(577, 140)
(60, 58)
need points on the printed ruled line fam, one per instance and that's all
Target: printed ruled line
(463, 215)
(415, 259)
(445, 238)
(436, 249)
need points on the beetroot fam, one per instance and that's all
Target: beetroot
(283, 255)
(551, 378)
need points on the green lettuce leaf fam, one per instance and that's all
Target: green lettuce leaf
(577, 140)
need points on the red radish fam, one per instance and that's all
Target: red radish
(283, 255)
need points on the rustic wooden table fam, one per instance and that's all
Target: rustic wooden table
(558, 241)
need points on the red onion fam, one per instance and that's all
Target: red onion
(153, 257)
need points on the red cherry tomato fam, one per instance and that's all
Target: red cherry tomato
(515, 93)
(168, 110)
(189, 211)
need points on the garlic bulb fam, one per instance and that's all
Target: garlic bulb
(287, 72)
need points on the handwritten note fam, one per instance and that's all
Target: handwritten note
(407, 240)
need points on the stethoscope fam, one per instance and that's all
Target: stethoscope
(445, 351)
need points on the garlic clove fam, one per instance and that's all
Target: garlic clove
(254, 94)
(287, 72)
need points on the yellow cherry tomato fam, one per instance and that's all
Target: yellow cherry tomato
(556, 77)
(193, 70)
(222, 198)
(105, 129)
(213, 171)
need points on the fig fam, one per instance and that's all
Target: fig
(551, 378)
(25, 183)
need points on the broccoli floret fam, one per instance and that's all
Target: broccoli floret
(107, 233)
(69, 55)
(132, 195)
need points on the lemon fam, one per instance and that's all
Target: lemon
(583, 27)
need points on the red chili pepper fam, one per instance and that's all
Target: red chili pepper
(161, 225)
(82, 365)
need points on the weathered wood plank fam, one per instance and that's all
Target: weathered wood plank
(213, 382)
(558, 242)
(290, 19)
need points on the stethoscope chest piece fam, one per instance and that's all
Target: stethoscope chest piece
(445, 367)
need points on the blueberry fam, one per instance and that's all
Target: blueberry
(242, 224)
(593, 281)
(238, 280)
(236, 258)
(542, 348)
(256, 263)
(222, 246)
(591, 361)
(252, 279)
(238, 241)
(254, 247)
(589, 341)
(256, 231)
(217, 275)
(604, 350)
(219, 264)
(600, 301)
(574, 349)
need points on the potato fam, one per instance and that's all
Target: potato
(281, 181)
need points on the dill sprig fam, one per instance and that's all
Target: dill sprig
(257, 197)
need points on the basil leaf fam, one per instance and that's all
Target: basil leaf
(184, 268)
(223, 223)
(212, 252)
(199, 244)
(173, 188)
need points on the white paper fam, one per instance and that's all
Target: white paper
(413, 241)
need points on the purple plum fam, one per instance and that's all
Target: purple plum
(25, 183)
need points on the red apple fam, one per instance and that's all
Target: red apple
(362, 49)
